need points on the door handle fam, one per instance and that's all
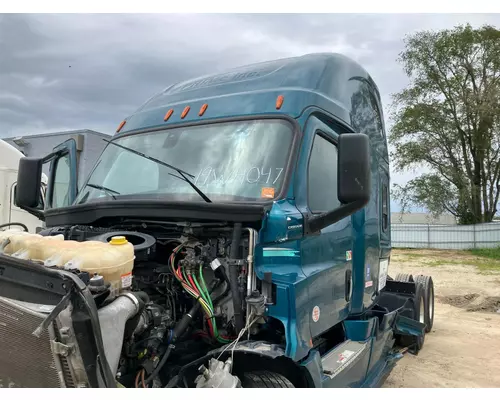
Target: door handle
(348, 275)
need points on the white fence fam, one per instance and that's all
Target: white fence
(460, 237)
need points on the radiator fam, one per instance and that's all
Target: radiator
(25, 360)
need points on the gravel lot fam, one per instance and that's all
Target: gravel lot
(463, 349)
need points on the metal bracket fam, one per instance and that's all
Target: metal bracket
(60, 348)
(236, 262)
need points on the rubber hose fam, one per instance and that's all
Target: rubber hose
(160, 365)
(223, 294)
(142, 296)
(14, 224)
(233, 278)
(227, 289)
(179, 329)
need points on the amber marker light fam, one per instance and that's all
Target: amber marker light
(203, 109)
(168, 114)
(185, 112)
(279, 101)
(120, 127)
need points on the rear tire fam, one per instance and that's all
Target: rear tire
(404, 277)
(428, 284)
(265, 379)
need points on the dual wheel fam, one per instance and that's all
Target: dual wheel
(424, 304)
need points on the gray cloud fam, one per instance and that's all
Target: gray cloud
(74, 71)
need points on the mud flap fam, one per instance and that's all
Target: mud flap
(408, 327)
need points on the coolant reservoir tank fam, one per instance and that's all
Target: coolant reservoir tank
(114, 261)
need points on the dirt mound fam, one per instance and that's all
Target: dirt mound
(472, 302)
(489, 304)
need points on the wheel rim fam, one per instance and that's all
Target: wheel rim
(422, 311)
(431, 304)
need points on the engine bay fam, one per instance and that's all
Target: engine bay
(196, 288)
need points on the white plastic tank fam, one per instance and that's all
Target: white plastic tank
(113, 260)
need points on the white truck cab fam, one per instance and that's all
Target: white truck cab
(9, 212)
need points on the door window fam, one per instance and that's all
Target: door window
(322, 176)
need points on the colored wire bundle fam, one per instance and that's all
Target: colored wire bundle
(197, 288)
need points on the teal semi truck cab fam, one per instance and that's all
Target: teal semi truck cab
(257, 205)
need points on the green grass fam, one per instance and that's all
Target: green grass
(438, 263)
(490, 259)
(487, 253)
(485, 267)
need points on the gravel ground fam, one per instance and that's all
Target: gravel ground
(463, 348)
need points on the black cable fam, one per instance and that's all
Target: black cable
(223, 294)
(14, 224)
(183, 369)
(160, 364)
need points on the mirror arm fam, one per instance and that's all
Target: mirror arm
(318, 222)
(33, 211)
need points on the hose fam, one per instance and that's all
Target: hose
(227, 289)
(160, 364)
(142, 296)
(14, 224)
(179, 329)
(233, 278)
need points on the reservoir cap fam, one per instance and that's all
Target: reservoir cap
(115, 240)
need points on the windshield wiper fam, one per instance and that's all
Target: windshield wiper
(183, 178)
(111, 192)
(179, 171)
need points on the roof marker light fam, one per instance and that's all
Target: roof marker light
(122, 124)
(185, 112)
(168, 115)
(203, 109)
(279, 101)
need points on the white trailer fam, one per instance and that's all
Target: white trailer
(9, 212)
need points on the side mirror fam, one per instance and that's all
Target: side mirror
(354, 183)
(29, 176)
(353, 180)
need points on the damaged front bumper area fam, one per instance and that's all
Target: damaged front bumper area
(51, 333)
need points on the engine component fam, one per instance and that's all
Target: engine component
(114, 261)
(144, 244)
(97, 284)
(112, 319)
(256, 303)
(146, 337)
(217, 375)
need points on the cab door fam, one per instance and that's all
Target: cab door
(326, 255)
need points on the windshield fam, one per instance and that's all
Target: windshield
(232, 161)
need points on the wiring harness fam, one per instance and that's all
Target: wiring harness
(193, 283)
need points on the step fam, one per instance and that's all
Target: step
(341, 357)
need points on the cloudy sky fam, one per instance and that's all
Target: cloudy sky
(75, 71)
